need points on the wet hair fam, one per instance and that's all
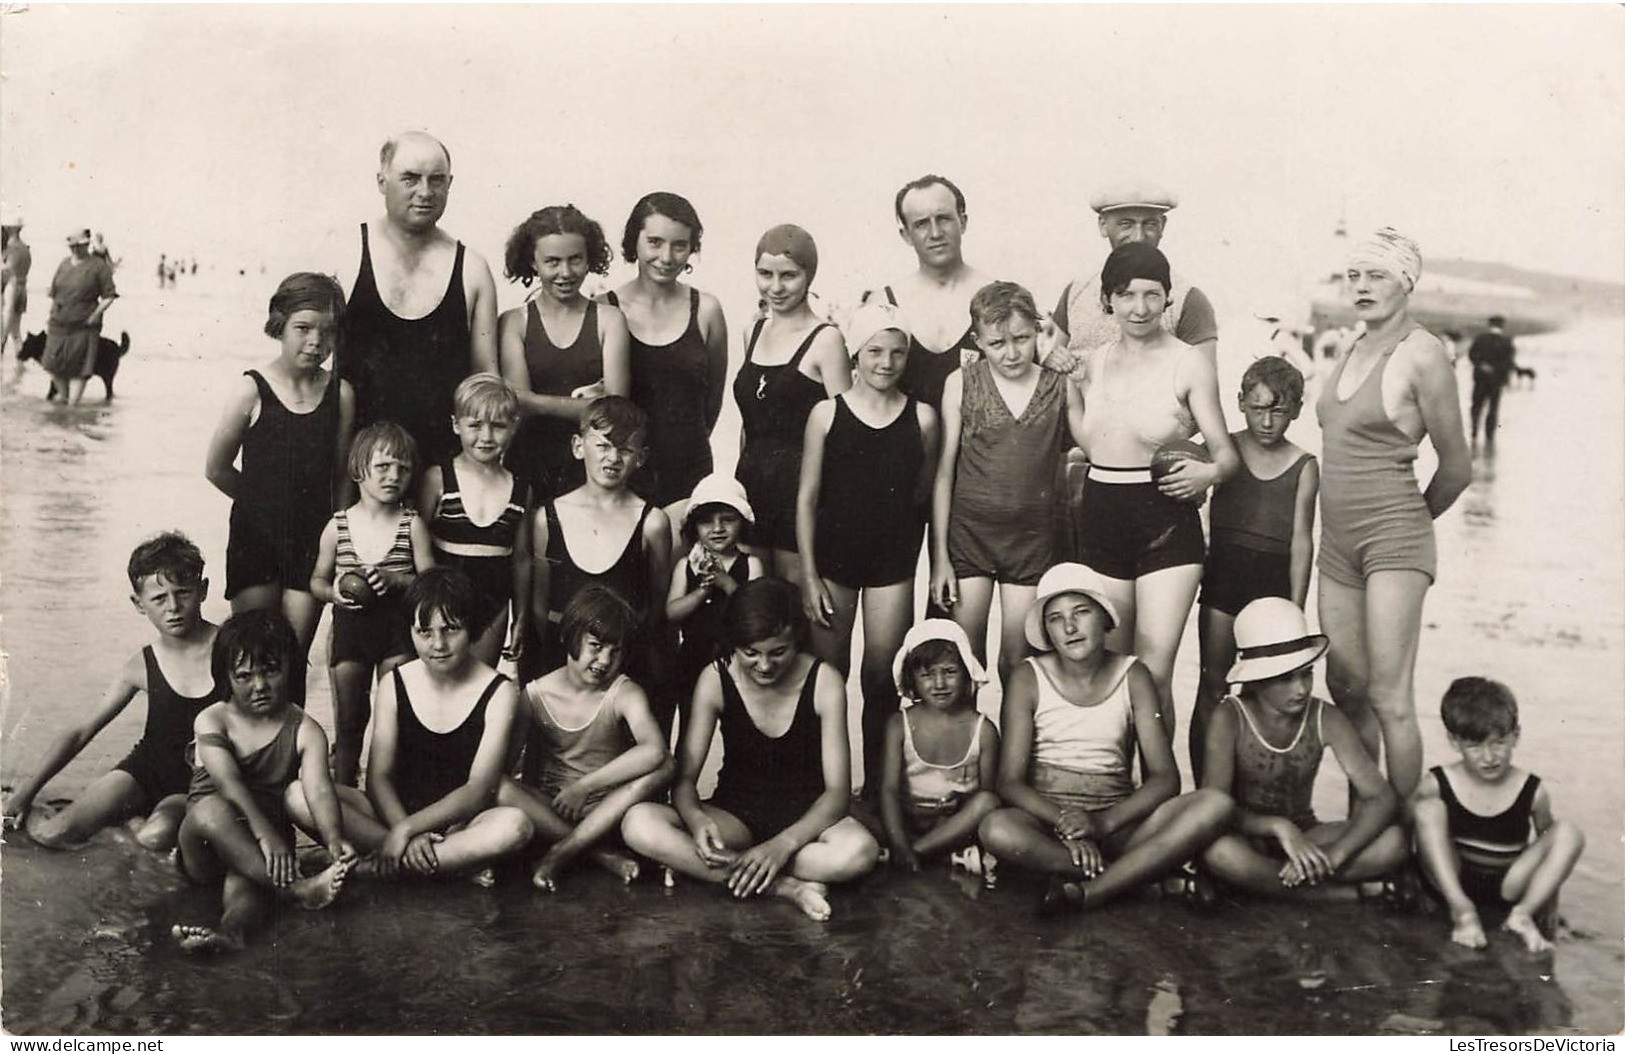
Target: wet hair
(304, 291)
(599, 610)
(690, 530)
(995, 302)
(485, 397)
(263, 638)
(674, 207)
(1283, 380)
(386, 153)
(928, 654)
(930, 179)
(446, 590)
(618, 417)
(170, 554)
(763, 608)
(381, 435)
(519, 256)
(1476, 708)
(1131, 261)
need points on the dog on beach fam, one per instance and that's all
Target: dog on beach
(108, 355)
(1523, 373)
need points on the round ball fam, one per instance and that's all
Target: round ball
(354, 587)
(1171, 453)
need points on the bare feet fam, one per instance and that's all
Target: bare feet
(320, 889)
(205, 939)
(1519, 922)
(620, 865)
(1467, 931)
(808, 896)
(485, 878)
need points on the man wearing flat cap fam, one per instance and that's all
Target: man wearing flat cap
(1134, 211)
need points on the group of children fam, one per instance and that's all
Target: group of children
(465, 767)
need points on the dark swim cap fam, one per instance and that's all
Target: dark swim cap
(789, 240)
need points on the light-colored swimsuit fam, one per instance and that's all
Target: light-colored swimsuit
(1083, 755)
(566, 754)
(935, 790)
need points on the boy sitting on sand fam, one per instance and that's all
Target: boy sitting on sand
(1475, 819)
(168, 587)
(246, 753)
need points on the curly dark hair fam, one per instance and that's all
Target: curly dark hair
(519, 256)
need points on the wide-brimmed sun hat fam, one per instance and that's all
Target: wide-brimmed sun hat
(936, 629)
(1065, 578)
(719, 489)
(1273, 638)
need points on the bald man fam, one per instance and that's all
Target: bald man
(422, 310)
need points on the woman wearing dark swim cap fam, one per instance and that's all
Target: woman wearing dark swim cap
(1145, 389)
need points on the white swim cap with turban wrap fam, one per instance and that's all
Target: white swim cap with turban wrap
(1392, 251)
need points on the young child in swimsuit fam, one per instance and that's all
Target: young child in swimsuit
(168, 587)
(942, 755)
(291, 420)
(382, 542)
(247, 752)
(1264, 746)
(1004, 423)
(1262, 525)
(476, 510)
(593, 748)
(440, 737)
(866, 469)
(1485, 831)
(714, 522)
(1073, 718)
(603, 532)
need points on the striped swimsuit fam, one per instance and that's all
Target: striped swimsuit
(483, 552)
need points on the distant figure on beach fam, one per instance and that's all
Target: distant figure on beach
(247, 751)
(163, 271)
(1494, 358)
(174, 673)
(1393, 387)
(99, 249)
(422, 313)
(81, 292)
(1485, 830)
(16, 259)
(555, 379)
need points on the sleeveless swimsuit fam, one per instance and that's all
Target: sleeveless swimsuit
(382, 629)
(1083, 756)
(870, 518)
(671, 382)
(157, 762)
(1279, 781)
(1126, 527)
(1251, 552)
(702, 639)
(541, 451)
(628, 576)
(556, 756)
(774, 402)
(926, 371)
(285, 492)
(768, 783)
(483, 553)
(1000, 523)
(1373, 516)
(430, 765)
(936, 790)
(266, 772)
(405, 370)
(1486, 846)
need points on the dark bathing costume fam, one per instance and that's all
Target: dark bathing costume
(774, 402)
(405, 370)
(870, 518)
(483, 553)
(703, 641)
(926, 371)
(671, 383)
(382, 630)
(158, 762)
(766, 783)
(1486, 846)
(541, 451)
(430, 765)
(285, 492)
(1251, 552)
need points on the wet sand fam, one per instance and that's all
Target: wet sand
(1531, 579)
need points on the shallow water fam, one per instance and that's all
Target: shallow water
(1532, 575)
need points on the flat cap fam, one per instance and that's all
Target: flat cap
(1133, 194)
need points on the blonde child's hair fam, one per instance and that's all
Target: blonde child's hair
(485, 397)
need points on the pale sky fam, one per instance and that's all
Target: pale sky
(250, 134)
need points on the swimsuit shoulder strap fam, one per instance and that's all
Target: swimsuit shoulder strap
(755, 333)
(891, 297)
(693, 307)
(795, 360)
(614, 301)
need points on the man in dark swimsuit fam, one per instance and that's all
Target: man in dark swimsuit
(1492, 357)
(422, 311)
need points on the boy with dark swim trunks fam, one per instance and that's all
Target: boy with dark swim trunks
(166, 577)
(1485, 832)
